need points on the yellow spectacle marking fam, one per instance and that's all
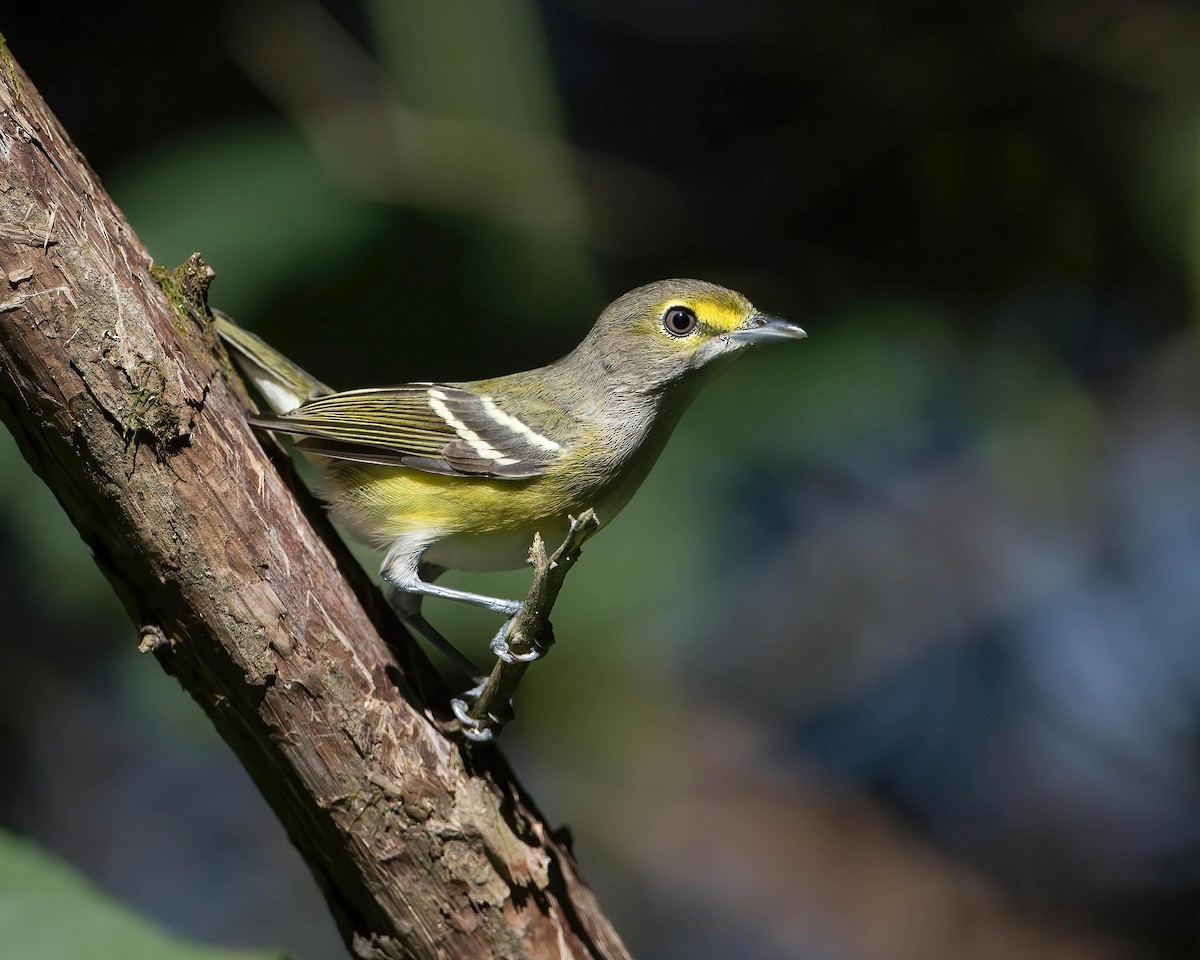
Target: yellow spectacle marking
(721, 315)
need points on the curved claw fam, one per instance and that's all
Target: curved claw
(503, 651)
(477, 731)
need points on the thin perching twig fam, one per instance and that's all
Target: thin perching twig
(483, 710)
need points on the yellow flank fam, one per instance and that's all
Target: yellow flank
(381, 503)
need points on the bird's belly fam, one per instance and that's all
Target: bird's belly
(474, 523)
(492, 551)
(509, 549)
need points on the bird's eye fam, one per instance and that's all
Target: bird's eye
(680, 321)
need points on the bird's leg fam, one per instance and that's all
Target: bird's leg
(483, 710)
(402, 569)
(409, 580)
(420, 584)
(408, 608)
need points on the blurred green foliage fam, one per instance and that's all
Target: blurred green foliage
(250, 194)
(48, 910)
(986, 217)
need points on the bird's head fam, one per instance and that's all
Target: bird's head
(661, 334)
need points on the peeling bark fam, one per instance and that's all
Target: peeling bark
(122, 401)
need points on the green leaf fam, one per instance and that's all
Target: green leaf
(50, 911)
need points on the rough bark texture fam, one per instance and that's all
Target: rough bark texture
(122, 401)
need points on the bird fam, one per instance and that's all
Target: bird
(461, 475)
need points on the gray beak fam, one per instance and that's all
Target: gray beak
(763, 328)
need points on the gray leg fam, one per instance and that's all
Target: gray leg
(408, 609)
(409, 581)
(401, 568)
(507, 608)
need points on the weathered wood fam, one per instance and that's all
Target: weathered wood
(121, 400)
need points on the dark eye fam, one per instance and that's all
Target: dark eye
(680, 321)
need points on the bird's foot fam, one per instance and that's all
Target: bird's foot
(537, 646)
(483, 729)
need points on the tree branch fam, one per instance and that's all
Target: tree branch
(122, 401)
(526, 637)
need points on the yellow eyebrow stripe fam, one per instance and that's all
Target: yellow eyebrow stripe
(715, 314)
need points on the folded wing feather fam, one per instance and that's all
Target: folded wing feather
(433, 427)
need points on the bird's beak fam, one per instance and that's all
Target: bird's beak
(763, 328)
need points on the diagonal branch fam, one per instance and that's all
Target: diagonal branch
(124, 404)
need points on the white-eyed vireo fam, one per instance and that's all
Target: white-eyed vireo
(461, 475)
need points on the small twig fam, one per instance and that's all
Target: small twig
(486, 708)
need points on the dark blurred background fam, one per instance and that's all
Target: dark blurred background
(895, 655)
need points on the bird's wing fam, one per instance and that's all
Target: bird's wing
(433, 427)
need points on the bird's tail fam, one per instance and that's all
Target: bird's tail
(283, 384)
